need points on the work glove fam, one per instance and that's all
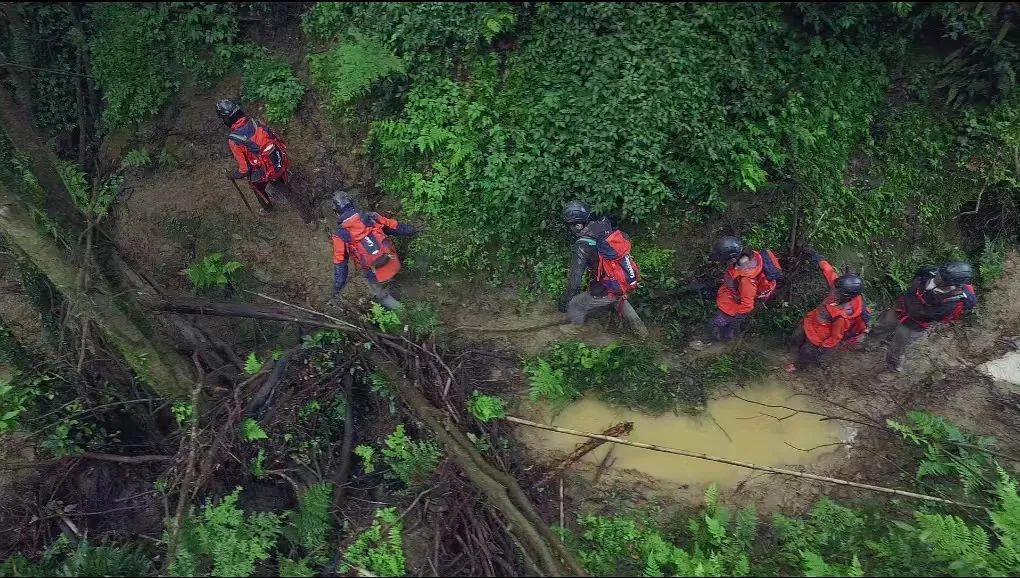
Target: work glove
(813, 255)
(339, 277)
(234, 174)
(562, 305)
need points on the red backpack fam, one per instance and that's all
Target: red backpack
(617, 269)
(265, 152)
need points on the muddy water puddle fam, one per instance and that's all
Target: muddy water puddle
(729, 427)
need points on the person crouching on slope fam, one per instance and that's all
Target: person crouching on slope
(842, 317)
(364, 236)
(939, 295)
(603, 250)
(751, 277)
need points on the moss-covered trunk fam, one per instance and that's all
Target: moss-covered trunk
(155, 363)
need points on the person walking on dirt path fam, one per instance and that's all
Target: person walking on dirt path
(603, 250)
(261, 157)
(364, 235)
(842, 317)
(935, 295)
(751, 278)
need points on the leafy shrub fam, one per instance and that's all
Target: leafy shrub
(224, 541)
(252, 431)
(423, 318)
(252, 365)
(350, 68)
(212, 272)
(307, 531)
(625, 375)
(719, 546)
(485, 408)
(950, 454)
(409, 461)
(739, 364)
(62, 559)
(18, 395)
(992, 262)
(380, 548)
(367, 455)
(97, 206)
(135, 158)
(428, 35)
(269, 78)
(183, 412)
(387, 321)
(549, 384)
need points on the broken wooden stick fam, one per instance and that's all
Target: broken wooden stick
(739, 464)
(512, 329)
(620, 429)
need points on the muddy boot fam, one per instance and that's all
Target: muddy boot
(569, 329)
(887, 376)
(698, 345)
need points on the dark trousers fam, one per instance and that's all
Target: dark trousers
(282, 185)
(725, 327)
(898, 338)
(808, 354)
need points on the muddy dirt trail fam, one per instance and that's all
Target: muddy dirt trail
(182, 209)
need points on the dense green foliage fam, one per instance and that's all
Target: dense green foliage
(409, 461)
(661, 113)
(380, 548)
(270, 79)
(349, 69)
(620, 374)
(87, 559)
(224, 541)
(211, 272)
(139, 55)
(485, 408)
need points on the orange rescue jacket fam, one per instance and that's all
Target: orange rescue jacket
(742, 285)
(358, 235)
(829, 323)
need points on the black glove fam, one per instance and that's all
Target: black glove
(813, 255)
(562, 306)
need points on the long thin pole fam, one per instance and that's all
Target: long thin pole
(240, 194)
(739, 464)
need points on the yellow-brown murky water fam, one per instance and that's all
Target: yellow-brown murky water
(729, 427)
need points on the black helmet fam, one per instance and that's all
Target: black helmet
(955, 273)
(576, 212)
(726, 248)
(849, 285)
(341, 200)
(229, 111)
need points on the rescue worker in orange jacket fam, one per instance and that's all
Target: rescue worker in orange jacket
(746, 283)
(261, 157)
(364, 236)
(935, 295)
(842, 317)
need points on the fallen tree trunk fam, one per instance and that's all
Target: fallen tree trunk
(147, 459)
(203, 307)
(155, 363)
(502, 490)
(620, 429)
